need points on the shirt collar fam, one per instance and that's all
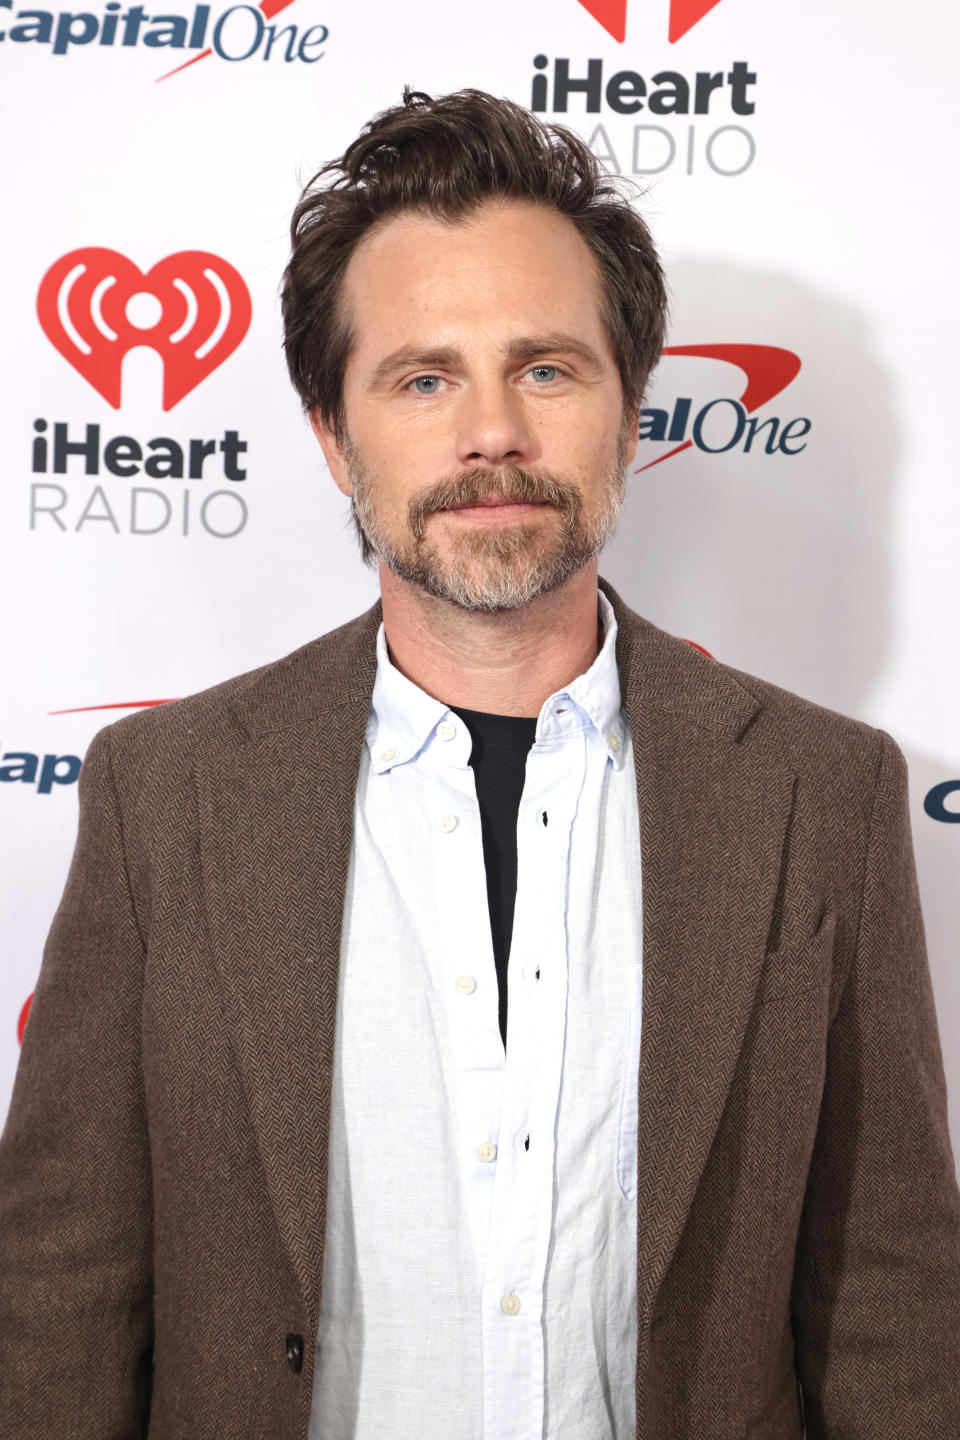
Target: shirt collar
(403, 717)
(593, 699)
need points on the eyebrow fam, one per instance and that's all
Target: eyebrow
(526, 347)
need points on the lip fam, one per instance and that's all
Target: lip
(496, 507)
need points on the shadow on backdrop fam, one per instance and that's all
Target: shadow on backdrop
(777, 564)
(781, 565)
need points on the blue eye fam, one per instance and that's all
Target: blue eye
(545, 372)
(426, 384)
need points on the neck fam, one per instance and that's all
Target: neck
(505, 664)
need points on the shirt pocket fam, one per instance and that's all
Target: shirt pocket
(628, 1118)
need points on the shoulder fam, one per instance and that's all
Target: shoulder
(162, 742)
(816, 742)
(814, 739)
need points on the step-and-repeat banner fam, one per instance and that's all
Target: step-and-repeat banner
(166, 519)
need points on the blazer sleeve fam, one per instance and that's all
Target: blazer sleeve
(877, 1281)
(75, 1189)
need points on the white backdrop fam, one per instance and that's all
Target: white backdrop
(805, 207)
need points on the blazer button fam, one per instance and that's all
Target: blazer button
(295, 1353)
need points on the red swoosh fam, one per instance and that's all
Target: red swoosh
(768, 369)
(114, 705)
(268, 8)
(22, 1019)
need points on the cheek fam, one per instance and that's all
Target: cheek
(582, 431)
(589, 457)
(404, 448)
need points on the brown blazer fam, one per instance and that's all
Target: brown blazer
(163, 1170)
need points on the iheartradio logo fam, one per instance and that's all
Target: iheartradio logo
(193, 308)
(684, 14)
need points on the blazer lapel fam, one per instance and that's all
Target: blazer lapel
(714, 812)
(276, 818)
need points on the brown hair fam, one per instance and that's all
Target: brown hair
(446, 157)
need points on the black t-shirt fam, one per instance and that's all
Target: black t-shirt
(499, 759)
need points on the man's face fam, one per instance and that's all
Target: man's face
(486, 443)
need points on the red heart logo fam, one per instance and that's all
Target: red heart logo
(612, 15)
(684, 14)
(94, 305)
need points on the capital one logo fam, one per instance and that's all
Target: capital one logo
(727, 422)
(684, 14)
(192, 308)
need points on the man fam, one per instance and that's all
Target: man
(292, 1150)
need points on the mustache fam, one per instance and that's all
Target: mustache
(472, 487)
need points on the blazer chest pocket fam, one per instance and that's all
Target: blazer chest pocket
(801, 965)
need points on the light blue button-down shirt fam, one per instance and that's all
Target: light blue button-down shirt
(480, 1268)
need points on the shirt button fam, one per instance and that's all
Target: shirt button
(445, 730)
(614, 742)
(448, 822)
(390, 754)
(510, 1304)
(487, 1151)
(466, 984)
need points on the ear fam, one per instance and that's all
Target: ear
(332, 452)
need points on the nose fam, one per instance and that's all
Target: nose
(493, 428)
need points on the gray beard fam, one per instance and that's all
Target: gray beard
(492, 570)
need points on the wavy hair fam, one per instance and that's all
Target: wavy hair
(446, 157)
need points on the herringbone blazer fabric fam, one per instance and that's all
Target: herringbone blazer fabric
(163, 1170)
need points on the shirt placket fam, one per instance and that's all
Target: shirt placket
(466, 978)
(523, 1192)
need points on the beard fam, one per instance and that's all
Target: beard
(496, 569)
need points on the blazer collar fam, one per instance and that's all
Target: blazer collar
(657, 670)
(330, 673)
(340, 667)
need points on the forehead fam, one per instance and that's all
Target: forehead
(506, 268)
